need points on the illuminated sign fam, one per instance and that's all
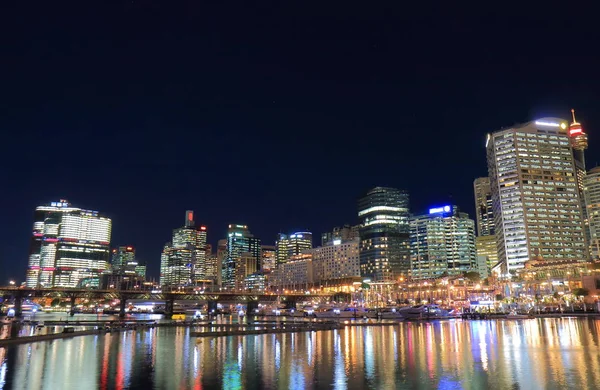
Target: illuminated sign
(437, 210)
(59, 204)
(202, 227)
(550, 124)
(337, 242)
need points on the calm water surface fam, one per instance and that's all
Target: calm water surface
(503, 354)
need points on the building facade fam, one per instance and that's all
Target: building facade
(269, 257)
(592, 201)
(536, 202)
(289, 245)
(295, 274)
(486, 247)
(384, 234)
(184, 261)
(344, 233)
(68, 245)
(442, 243)
(336, 260)
(239, 241)
(484, 214)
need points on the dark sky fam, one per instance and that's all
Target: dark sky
(277, 116)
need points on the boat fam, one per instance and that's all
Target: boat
(391, 313)
(513, 315)
(335, 312)
(422, 312)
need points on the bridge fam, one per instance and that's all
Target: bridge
(251, 299)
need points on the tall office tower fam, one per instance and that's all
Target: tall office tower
(291, 245)
(123, 260)
(592, 201)
(344, 233)
(579, 143)
(269, 257)
(239, 241)
(176, 264)
(70, 247)
(442, 242)
(384, 234)
(221, 258)
(483, 206)
(185, 257)
(537, 205)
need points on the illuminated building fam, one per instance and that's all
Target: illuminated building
(239, 242)
(245, 265)
(69, 245)
(384, 234)
(256, 281)
(483, 206)
(184, 261)
(592, 201)
(345, 233)
(442, 243)
(535, 196)
(579, 143)
(296, 273)
(269, 257)
(293, 244)
(336, 260)
(486, 247)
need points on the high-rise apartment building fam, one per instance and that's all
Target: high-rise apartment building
(384, 234)
(184, 260)
(239, 242)
(442, 242)
(483, 206)
(70, 247)
(292, 244)
(592, 201)
(536, 201)
(344, 233)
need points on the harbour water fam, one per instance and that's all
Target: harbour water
(548, 353)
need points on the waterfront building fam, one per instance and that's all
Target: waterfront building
(536, 201)
(442, 243)
(269, 257)
(256, 281)
(344, 233)
(292, 244)
(183, 261)
(335, 261)
(592, 201)
(384, 234)
(68, 245)
(486, 246)
(296, 273)
(239, 241)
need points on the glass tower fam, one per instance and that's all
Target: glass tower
(292, 244)
(384, 234)
(240, 243)
(536, 201)
(69, 245)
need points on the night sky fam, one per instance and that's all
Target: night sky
(275, 116)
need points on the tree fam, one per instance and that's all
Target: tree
(472, 276)
(581, 292)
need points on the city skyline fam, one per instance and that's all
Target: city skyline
(279, 128)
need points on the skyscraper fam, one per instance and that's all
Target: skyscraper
(536, 201)
(70, 246)
(384, 234)
(592, 201)
(239, 242)
(291, 245)
(344, 233)
(483, 206)
(442, 242)
(184, 259)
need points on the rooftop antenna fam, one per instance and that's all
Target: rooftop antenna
(573, 113)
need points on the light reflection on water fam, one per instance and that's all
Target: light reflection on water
(537, 353)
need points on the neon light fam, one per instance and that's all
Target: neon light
(551, 124)
(437, 210)
(190, 215)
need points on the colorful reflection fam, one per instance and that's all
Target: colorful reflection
(533, 353)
